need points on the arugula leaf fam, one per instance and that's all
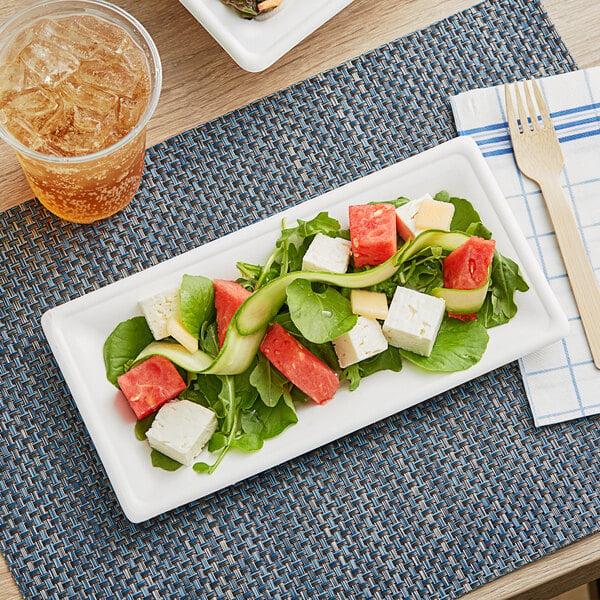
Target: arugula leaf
(268, 381)
(163, 461)
(123, 345)
(197, 299)
(499, 305)
(142, 426)
(396, 202)
(269, 421)
(320, 316)
(389, 360)
(459, 345)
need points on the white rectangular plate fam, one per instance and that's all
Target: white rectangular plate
(256, 44)
(77, 331)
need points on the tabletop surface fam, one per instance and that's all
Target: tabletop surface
(201, 82)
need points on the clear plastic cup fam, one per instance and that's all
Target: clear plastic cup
(75, 100)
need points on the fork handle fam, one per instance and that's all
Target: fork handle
(579, 270)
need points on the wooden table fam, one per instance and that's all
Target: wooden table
(201, 82)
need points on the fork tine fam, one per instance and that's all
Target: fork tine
(532, 111)
(546, 120)
(523, 117)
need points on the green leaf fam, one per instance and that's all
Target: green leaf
(319, 316)
(202, 467)
(248, 442)
(142, 426)
(389, 360)
(123, 345)
(459, 345)
(197, 299)
(506, 279)
(217, 441)
(396, 203)
(162, 461)
(464, 213)
(268, 422)
(268, 381)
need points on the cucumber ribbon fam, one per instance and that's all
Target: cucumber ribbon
(249, 323)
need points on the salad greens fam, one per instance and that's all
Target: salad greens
(251, 8)
(259, 403)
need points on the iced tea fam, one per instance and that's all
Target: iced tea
(76, 90)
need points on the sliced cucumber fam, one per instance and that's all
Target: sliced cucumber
(237, 352)
(447, 240)
(462, 301)
(194, 362)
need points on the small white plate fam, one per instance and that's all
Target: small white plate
(77, 331)
(256, 44)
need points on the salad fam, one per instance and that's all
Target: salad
(252, 8)
(217, 365)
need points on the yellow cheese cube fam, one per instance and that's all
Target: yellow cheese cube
(372, 305)
(181, 334)
(433, 214)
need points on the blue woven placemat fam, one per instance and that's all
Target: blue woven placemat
(431, 503)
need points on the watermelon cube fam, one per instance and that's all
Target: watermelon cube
(150, 384)
(229, 296)
(372, 233)
(467, 268)
(299, 365)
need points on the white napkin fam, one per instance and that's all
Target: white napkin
(561, 380)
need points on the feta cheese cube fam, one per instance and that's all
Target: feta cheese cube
(372, 305)
(434, 214)
(405, 218)
(158, 308)
(365, 339)
(413, 320)
(181, 429)
(327, 254)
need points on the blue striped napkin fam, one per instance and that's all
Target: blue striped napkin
(561, 380)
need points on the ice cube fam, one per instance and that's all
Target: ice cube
(129, 114)
(87, 97)
(110, 74)
(66, 36)
(49, 63)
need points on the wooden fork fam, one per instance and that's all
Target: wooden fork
(539, 157)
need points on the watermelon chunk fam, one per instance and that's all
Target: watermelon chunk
(467, 268)
(229, 296)
(150, 384)
(372, 233)
(299, 365)
(281, 348)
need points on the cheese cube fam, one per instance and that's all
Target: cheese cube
(158, 308)
(178, 331)
(364, 340)
(372, 305)
(433, 214)
(181, 429)
(327, 254)
(413, 320)
(405, 218)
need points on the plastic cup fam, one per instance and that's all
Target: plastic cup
(81, 186)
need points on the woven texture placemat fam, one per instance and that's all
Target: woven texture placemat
(431, 503)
